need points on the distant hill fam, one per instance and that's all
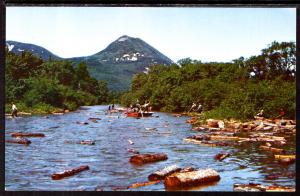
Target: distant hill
(121, 59)
(116, 64)
(18, 47)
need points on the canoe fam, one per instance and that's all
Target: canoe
(138, 114)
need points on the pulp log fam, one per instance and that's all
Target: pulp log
(147, 158)
(277, 188)
(221, 137)
(92, 118)
(234, 125)
(221, 156)
(261, 188)
(58, 176)
(27, 135)
(199, 129)
(212, 123)
(195, 141)
(87, 142)
(251, 187)
(161, 174)
(19, 141)
(137, 185)
(286, 159)
(82, 123)
(193, 178)
(187, 169)
(274, 150)
(268, 128)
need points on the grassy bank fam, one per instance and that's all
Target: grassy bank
(41, 108)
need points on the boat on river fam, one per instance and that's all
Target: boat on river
(139, 114)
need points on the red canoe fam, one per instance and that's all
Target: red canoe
(138, 114)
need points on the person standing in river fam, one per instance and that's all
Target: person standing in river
(14, 110)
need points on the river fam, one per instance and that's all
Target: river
(29, 168)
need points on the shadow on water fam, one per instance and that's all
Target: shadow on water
(30, 167)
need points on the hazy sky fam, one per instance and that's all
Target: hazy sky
(206, 34)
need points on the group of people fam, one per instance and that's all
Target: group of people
(196, 108)
(137, 107)
(111, 107)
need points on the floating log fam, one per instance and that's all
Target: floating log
(150, 129)
(133, 151)
(193, 178)
(27, 135)
(147, 158)
(261, 188)
(285, 159)
(274, 150)
(19, 141)
(87, 142)
(223, 137)
(58, 176)
(221, 156)
(82, 123)
(57, 113)
(277, 188)
(137, 185)
(199, 129)
(94, 118)
(177, 115)
(161, 174)
(251, 187)
(212, 123)
(284, 156)
(204, 143)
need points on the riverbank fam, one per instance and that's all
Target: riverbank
(40, 109)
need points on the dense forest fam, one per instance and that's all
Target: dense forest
(238, 89)
(45, 86)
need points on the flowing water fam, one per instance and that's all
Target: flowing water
(29, 168)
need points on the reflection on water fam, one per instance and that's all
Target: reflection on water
(30, 167)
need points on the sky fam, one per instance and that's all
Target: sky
(205, 34)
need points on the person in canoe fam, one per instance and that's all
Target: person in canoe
(14, 110)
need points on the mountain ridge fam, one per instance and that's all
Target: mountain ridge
(116, 63)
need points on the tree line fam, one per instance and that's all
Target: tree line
(43, 86)
(236, 89)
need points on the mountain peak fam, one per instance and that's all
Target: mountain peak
(124, 38)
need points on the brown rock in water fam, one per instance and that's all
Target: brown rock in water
(27, 135)
(19, 141)
(147, 158)
(221, 156)
(189, 179)
(58, 176)
(161, 174)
